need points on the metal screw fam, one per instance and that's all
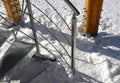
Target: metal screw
(11, 2)
(84, 8)
(20, 13)
(83, 22)
(101, 9)
(84, 16)
(13, 8)
(16, 1)
(15, 15)
(18, 7)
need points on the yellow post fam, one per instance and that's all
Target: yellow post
(92, 16)
(13, 10)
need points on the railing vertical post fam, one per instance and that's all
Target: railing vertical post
(33, 25)
(74, 22)
(92, 16)
(73, 43)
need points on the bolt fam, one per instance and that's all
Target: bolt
(13, 8)
(11, 2)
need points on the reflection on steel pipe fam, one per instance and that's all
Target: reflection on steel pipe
(74, 21)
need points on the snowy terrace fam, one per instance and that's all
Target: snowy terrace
(97, 59)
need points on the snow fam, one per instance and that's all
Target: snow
(6, 46)
(97, 59)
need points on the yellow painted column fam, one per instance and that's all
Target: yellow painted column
(13, 10)
(92, 16)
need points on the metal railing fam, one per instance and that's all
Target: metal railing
(62, 58)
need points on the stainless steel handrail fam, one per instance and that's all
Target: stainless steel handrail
(72, 7)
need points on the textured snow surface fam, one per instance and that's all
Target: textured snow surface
(97, 60)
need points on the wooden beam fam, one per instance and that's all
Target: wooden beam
(92, 16)
(13, 10)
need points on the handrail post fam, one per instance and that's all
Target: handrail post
(74, 22)
(33, 25)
